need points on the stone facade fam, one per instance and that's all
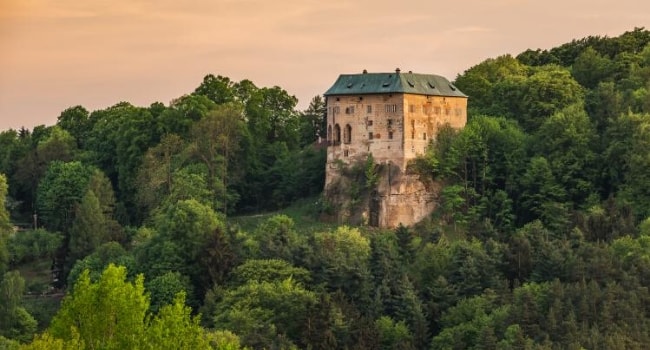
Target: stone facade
(392, 116)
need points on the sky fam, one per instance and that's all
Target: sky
(56, 54)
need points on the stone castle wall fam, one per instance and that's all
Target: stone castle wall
(394, 128)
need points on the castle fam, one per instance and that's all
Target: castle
(392, 116)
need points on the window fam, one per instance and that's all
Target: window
(411, 108)
(424, 136)
(349, 110)
(369, 108)
(413, 129)
(329, 133)
(370, 136)
(436, 111)
(345, 153)
(337, 134)
(390, 108)
(347, 134)
(447, 111)
(390, 123)
(390, 135)
(369, 122)
(336, 110)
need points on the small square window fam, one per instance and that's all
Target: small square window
(370, 136)
(369, 122)
(345, 153)
(390, 135)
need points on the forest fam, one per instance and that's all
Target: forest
(196, 224)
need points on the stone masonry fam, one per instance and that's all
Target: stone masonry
(394, 117)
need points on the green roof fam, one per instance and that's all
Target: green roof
(395, 82)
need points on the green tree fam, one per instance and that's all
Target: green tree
(186, 242)
(116, 144)
(548, 90)
(219, 89)
(112, 314)
(215, 143)
(53, 144)
(636, 163)
(265, 314)
(479, 82)
(9, 151)
(313, 122)
(15, 322)
(5, 223)
(340, 259)
(590, 68)
(272, 270)
(89, 228)
(567, 139)
(393, 335)
(540, 193)
(99, 260)
(175, 328)
(61, 189)
(182, 113)
(277, 238)
(75, 121)
(155, 177)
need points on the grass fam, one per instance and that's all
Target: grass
(304, 213)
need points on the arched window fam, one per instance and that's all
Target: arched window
(347, 134)
(337, 134)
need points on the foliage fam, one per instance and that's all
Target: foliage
(61, 189)
(265, 313)
(113, 314)
(340, 259)
(15, 322)
(540, 240)
(268, 271)
(277, 238)
(30, 245)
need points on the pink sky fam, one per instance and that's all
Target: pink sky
(59, 53)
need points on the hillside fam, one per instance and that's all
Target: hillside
(149, 216)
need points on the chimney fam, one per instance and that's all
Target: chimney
(365, 71)
(397, 70)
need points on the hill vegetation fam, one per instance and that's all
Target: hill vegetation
(149, 220)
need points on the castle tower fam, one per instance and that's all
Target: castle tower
(392, 116)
